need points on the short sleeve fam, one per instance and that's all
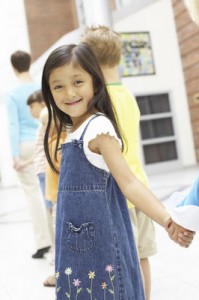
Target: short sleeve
(99, 125)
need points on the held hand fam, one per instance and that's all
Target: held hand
(179, 234)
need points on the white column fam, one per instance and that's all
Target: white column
(8, 176)
(14, 36)
(97, 12)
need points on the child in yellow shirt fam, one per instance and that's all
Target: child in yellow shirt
(51, 186)
(107, 47)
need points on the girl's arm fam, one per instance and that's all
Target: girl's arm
(130, 186)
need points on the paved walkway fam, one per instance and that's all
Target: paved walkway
(175, 270)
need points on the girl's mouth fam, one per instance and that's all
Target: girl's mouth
(73, 103)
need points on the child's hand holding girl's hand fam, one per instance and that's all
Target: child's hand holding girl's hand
(179, 234)
(135, 191)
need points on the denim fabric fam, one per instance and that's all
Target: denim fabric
(41, 177)
(96, 257)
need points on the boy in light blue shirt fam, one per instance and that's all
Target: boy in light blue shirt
(22, 131)
(22, 127)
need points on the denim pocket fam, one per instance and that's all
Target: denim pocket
(81, 239)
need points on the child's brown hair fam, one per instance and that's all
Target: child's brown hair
(36, 96)
(193, 8)
(105, 43)
(21, 61)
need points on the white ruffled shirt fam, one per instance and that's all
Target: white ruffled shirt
(100, 124)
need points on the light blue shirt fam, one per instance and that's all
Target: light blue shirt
(192, 198)
(186, 213)
(22, 126)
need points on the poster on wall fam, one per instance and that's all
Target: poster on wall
(137, 57)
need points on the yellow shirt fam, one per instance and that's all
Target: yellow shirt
(52, 178)
(128, 117)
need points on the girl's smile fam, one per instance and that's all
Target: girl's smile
(73, 102)
(72, 90)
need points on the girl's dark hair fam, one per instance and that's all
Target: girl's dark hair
(82, 56)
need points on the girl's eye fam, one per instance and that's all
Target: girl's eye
(78, 82)
(57, 87)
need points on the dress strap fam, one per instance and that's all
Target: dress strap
(84, 131)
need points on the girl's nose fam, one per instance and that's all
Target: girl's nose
(70, 93)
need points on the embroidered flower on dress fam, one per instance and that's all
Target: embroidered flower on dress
(104, 285)
(91, 275)
(109, 268)
(76, 282)
(68, 271)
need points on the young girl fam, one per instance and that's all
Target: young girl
(95, 252)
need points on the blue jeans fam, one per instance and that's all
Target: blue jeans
(41, 177)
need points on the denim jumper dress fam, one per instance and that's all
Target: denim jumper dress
(96, 257)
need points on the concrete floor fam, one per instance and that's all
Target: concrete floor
(175, 270)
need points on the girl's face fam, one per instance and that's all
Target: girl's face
(72, 90)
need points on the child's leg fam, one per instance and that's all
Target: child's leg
(144, 233)
(48, 205)
(53, 226)
(146, 276)
(50, 280)
(32, 190)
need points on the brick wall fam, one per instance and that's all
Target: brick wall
(188, 36)
(47, 21)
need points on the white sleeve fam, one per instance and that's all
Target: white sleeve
(98, 125)
(187, 216)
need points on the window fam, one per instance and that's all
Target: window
(157, 130)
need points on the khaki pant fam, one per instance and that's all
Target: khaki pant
(144, 233)
(33, 195)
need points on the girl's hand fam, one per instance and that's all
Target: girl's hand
(179, 234)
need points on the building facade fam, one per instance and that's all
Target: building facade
(166, 91)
